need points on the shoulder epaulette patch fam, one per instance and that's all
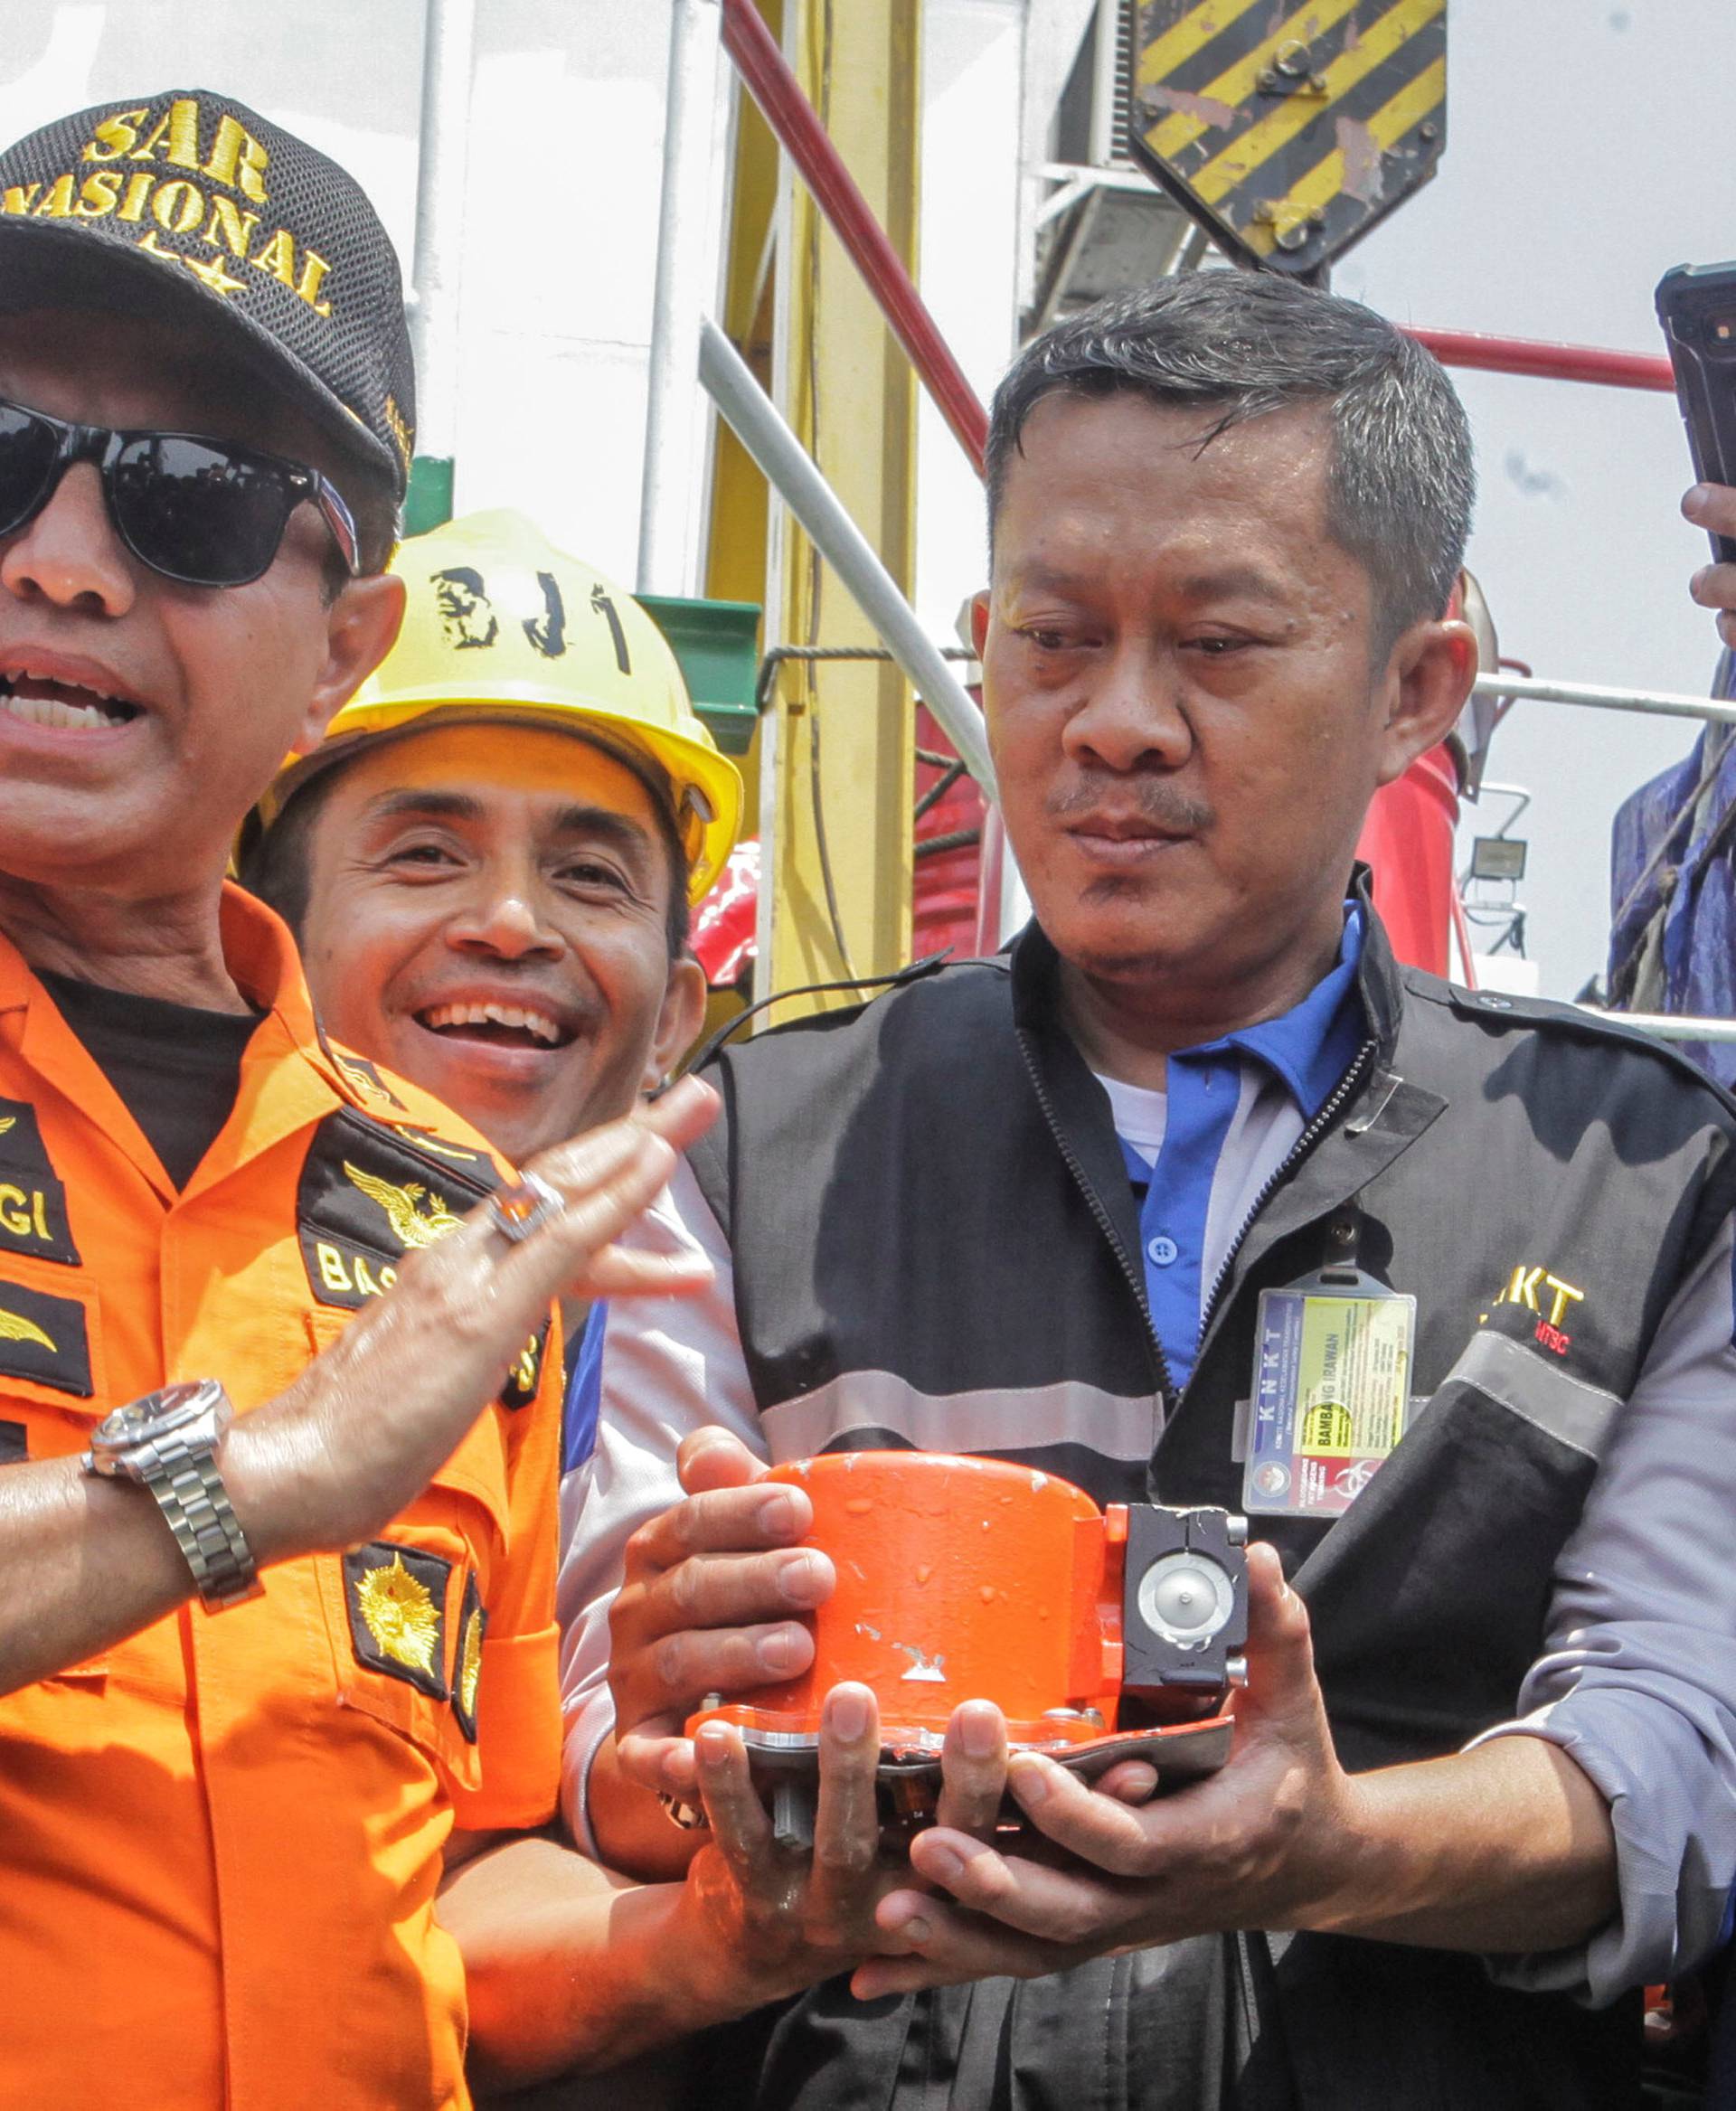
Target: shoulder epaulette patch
(467, 1679)
(369, 1195)
(396, 1597)
(33, 1202)
(46, 1339)
(359, 1077)
(526, 1374)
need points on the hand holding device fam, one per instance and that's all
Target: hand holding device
(1696, 308)
(1102, 1638)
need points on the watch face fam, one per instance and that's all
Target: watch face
(158, 1413)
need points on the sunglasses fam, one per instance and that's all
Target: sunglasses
(202, 512)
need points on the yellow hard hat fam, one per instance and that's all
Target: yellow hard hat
(500, 622)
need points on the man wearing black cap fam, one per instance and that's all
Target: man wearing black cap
(223, 1836)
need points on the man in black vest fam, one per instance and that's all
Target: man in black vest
(1485, 1772)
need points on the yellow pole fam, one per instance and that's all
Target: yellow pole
(735, 543)
(739, 521)
(836, 747)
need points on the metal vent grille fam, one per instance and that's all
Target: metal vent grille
(1124, 22)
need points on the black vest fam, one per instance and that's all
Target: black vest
(935, 1243)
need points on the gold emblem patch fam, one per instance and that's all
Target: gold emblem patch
(473, 1626)
(403, 1208)
(366, 1196)
(397, 1606)
(361, 1077)
(470, 1669)
(13, 1328)
(456, 1153)
(42, 1338)
(526, 1374)
(398, 1612)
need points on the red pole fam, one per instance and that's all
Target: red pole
(1559, 362)
(769, 80)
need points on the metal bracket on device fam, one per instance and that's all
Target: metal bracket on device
(1184, 1601)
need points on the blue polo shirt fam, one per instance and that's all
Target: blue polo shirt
(1204, 1148)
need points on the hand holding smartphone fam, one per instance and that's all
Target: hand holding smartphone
(1696, 306)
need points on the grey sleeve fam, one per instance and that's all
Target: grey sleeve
(670, 1365)
(1637, 1681)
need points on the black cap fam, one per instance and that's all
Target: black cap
(188, 203)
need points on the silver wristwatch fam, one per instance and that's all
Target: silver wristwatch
(168, 1440)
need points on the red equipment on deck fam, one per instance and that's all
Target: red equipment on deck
(1408, 840)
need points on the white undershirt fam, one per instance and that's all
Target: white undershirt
(1141, 1115)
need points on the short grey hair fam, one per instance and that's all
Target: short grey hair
(1238, 344)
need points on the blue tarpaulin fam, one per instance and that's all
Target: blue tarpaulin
(1673, 891)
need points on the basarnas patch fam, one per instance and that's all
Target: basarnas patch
(396, 1598)
(44, 1338)
(368, 1196)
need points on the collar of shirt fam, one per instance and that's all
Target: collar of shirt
(290, 1076)
(257, 951)
(1183, 1235)
(275, 1096)
(1311, 1046)
(1307, 1048)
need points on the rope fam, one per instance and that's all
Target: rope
(776, 654)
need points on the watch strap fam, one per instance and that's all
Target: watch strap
(190, 1492)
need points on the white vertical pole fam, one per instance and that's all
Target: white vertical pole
(449, 50)
(1014, 902)
(675, 450)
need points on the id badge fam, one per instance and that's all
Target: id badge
(1331, 1392)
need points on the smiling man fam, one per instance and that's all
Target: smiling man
(279, 1403)
(489, 859)
(1085, 1205)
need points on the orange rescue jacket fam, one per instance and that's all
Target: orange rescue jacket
(219, 1842)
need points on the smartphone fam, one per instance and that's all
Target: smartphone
(1696, 305)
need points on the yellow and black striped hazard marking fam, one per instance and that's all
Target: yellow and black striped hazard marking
(1290, 130)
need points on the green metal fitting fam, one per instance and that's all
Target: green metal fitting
(717, 644)
(428, 504)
